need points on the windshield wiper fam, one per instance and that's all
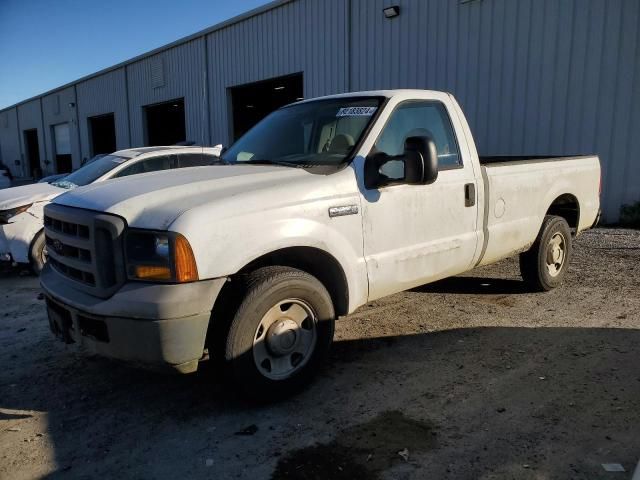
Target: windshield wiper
(271, 162)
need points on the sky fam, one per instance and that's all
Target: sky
(47, 43)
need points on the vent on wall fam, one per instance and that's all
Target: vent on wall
(157, 73)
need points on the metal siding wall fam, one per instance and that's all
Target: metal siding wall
(9, 141)
(30, 116)
(184, 73)
(308, 36)
(55, 110)
(101, 95)
(538, 77)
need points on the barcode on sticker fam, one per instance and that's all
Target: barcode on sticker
(356, 111)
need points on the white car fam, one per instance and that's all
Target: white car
(21, 219)
(5, 179)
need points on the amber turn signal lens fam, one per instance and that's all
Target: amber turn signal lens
(145, 272)
(186, 269)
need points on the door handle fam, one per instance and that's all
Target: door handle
(469, 194)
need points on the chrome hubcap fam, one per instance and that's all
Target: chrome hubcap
(284, 339)
(556, 254)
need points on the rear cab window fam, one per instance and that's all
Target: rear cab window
(195, 159)
(153, 164)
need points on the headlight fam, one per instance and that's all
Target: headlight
(5, 215)
(159, 257)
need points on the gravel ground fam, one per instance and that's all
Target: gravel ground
(472, 377)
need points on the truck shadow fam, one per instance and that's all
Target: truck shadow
(497, 397)
(475, 285)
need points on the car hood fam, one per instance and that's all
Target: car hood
(27, 194)
(155, 200)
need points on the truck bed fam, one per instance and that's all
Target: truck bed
(519, 191)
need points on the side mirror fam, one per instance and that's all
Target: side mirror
(420, 161)
(418, 165)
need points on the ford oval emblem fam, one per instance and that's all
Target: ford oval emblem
(57, 246)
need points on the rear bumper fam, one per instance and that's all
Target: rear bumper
(150, 324)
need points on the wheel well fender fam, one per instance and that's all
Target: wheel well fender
(567, 207)
(314, 261)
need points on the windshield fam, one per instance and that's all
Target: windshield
(90, 172)
(323, 132)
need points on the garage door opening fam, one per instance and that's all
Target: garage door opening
(251, 103)
(32, 150)
(102, 134)
(165, 123)
(62, 147)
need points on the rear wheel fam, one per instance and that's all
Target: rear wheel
(280, 334)
(545, 264)
(38, 253)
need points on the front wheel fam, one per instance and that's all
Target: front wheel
(280, 334)
(545, 264)
(38, 253)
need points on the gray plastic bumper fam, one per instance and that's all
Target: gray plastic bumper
(153, 324)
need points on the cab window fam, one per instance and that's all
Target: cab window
(415, 119)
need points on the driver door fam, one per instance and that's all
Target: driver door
(414, 234)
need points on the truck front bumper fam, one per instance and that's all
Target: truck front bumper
(151, 324)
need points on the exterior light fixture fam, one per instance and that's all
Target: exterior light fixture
(391, 12)
(72, 105)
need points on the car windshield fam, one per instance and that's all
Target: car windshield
(90, 172)
(322, 132)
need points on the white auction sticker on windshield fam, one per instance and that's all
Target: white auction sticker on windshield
(356, 111)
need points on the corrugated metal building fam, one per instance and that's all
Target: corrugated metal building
(539, 77)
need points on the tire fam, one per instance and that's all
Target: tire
(280, 333)
(38, 253)
(545, 264)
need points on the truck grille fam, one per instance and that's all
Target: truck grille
(85, 247)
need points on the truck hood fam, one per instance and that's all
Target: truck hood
(155, 200)
(27, 194)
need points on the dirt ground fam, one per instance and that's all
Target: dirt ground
(468, 378)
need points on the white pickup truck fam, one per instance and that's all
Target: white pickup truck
(325, 205)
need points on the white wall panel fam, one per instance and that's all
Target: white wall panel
(60, 107)
(535, 77)
(30, 117)
(183, 71)
(308, 36)
(10, 141)
(106, 93)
